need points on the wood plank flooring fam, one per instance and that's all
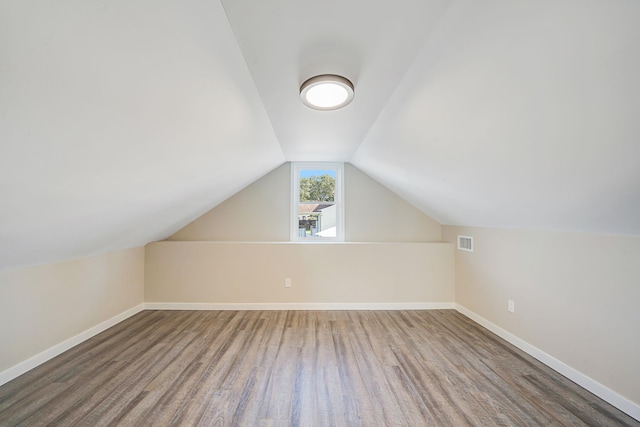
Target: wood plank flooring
(299, 368)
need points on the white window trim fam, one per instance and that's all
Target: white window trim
(338, 196)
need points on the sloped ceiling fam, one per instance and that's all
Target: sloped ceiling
(372, 43)
(122, 121)
(519, 114)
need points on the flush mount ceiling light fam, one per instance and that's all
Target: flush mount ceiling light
(326, 92)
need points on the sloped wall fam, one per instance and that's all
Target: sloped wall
(260, 213)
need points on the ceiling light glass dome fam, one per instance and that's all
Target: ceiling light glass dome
(326, 92)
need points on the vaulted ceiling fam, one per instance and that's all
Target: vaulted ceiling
(122, 121)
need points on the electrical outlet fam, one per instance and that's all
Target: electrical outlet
(287, 282)
(511, 306)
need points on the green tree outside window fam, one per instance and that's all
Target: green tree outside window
(317, 188)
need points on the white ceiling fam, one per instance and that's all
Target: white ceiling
(372, 43)
(122, 121)
(519, 114)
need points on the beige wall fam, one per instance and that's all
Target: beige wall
(46, 305)
(576, 296)
(258, 213)
(261, 212)
(210, 272)
(376, 214)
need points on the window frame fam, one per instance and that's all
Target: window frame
(338, 196)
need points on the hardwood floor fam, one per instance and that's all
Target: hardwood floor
(298, 368)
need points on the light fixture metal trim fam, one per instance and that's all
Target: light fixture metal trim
(337, 92)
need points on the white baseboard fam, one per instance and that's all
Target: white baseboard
(50, 353)
(299, 306)
(606, 394)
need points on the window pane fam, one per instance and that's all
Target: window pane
(316, 207)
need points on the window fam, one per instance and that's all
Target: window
(317, 208)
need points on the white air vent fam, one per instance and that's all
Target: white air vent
(465, 243)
